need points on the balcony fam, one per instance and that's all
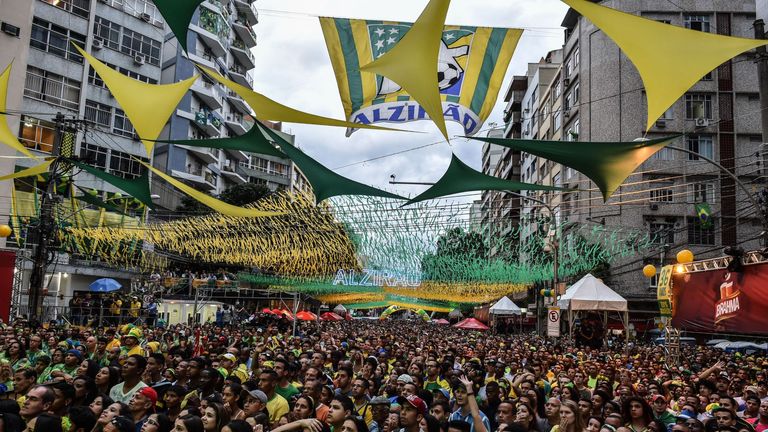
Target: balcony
(237, 102)
(203, 153)
(238, 155)
(240, 76)
(235, 123)
(211, 40)
(202, 57)
(234, 174)
(249, 9)
(209, 122)
(242, 54)
(207, 93)
(214, 6)
(198, 178)
(243, 29)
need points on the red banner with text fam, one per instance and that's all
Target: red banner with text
(721, 301)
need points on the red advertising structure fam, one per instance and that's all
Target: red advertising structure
(7, 264)
(711, 298)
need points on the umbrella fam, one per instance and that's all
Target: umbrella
(286, 313)
(330, 316)
(266, 311)
(306, 316)
(456, 313)
(471, 324)
(105, 285)
(442, 321)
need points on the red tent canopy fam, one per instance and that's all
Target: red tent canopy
(266, 310)
(471, 324)
(306, 316)
(442, 321)
(286, 313)
(330, 316)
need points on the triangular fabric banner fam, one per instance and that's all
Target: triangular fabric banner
(252, 141)
(178, 14)
(137, 188)
(325, 183)
(6, 136)
(413, 61)
(97, 202)
(211, 202)
(148, 106)
(670, 59)
(267, 109)
(607, 164)
(29, 172)
(461, 178)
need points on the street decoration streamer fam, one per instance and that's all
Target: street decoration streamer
(412, 61)
(178, 14)
(211, 202)
(253, 141)
(325, 183)
(470, 70)
(670, 59)
(461, 178)
(607, 164)
(137, 188)
(29, 172)
(267, 109)
(148, 106)
(6, 136)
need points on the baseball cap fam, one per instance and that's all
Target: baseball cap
(229, 356)
(657, 397)
(752, 389)
(405, 378)
(150, 394)
(415, 402)
(379, 400)
(444, 392)
(258, 394)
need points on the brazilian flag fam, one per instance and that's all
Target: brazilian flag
(705, 215)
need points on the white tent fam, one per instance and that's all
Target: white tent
(505, 306)
(591, 294)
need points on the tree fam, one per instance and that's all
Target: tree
(239, 195)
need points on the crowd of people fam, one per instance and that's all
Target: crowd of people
(364, 376)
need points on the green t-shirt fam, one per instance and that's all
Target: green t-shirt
(287, 392)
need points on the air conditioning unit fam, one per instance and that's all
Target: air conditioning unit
(97, 44)
(702, 122)
(661, 123)
(566, 82)
(654, 206)
(145, 17)
(138, 59)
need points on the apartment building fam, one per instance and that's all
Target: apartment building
(597, 95)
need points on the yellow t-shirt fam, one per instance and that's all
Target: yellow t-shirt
(277, 407)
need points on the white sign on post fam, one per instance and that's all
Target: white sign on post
(553, 322)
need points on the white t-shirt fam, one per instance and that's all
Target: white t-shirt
(119, 395)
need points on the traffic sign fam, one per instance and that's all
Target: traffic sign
(553, 321)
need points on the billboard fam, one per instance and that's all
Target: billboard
(721, 301)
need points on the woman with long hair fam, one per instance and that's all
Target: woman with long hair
(354, 424)
(232, 401)
(106, 378)
(215, 417)
(594, 424)
(116, 409)
(429, 423)
(188, 423)
(526, 417)
(16, 356)
(304, 408)
(570, 419)
(85, 390)
(88, 368)
(100, 402)
(237, 426)
(637, 414)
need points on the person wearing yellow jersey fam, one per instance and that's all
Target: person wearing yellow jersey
(131, 342)
(277, 406)
(433, 380)
(135, 306)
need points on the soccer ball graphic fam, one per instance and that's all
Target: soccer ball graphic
(448, 74)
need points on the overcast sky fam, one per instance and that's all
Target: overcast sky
(293, 67)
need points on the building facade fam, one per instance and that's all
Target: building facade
(597, 95)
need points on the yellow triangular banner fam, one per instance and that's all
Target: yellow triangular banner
(670, 59)
(268, 109)
(6, 136)
(148, 106)
(209, 201)
(29, 172)
(412, 63)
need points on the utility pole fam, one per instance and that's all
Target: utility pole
(762, 77)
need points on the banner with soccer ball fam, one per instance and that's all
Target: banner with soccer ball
(470, 71)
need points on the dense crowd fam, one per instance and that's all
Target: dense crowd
(364, 376)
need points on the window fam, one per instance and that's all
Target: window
(125, 165)
(576, 94)
(698, 235)
(661, 192)
(136, 44)
(662, 232)
(557, 181)
(664, 154)
(107, 32)
(557, 119)
(77, 7)
(94, 155)
(137, 76)
(698, 106)
(136, 7)
(37, 134)
(558, 89)
(569, 67)
(56, 40)
(701, 193)
(122, 126)
(697, 22)
(95, 79)
(49, 87)
(701, 145)
(576, 57)
(98, 113)
(568, 101)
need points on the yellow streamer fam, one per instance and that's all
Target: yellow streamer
(29, 172)
(6, 136)
(670, 59)
(413, 61)
(148, 106)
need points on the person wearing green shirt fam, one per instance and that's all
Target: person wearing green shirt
(284, 387)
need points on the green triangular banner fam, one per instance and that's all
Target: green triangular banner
(137, 188)
(178, 14)
(252, 141)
